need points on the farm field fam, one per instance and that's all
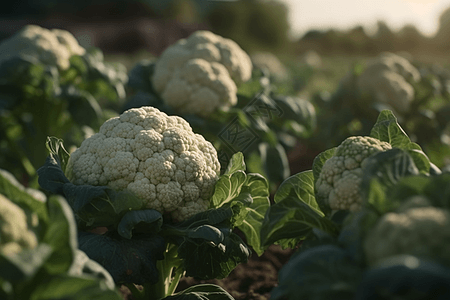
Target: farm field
(216, 165)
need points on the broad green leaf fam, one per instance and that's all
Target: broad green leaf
(51, 176)
(24, 265)
(61, 235)
(227, 188)
(252, 223)
(66, 287)
(201, 292)
(100, 205)
(145, 220)
(388, 168)
(207, 232)
(83, 107)
(275, 162)
(294, 215)
(127, 260)
(320, 160)
(84, 266)
(303, 185)
(296, 109)
(388, 130)
(236, 163)
(205, 261)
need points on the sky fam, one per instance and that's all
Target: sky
(345, 14)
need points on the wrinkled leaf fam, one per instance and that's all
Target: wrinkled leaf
(127, 260)
(227, 188)
(275, 162)
(236, 163)
(66, 287)
(252, 223)
(61, 235)
(203, 260)
(295, 213)
(148, 220)
(388, 130)
(387, 168)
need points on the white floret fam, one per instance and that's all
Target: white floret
(418, 231)
(341, 175)
(156, 157)
(387, 79)
(200, 74)
(15, 234)
(52, 47)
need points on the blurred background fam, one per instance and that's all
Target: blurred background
(313, 50)
(347, 29)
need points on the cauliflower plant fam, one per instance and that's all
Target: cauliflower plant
(199, 74)
(387, 78)
(341, 175)
(15, 234)
(156, 157)
(53, 47)
(416, 230)
(267, 60)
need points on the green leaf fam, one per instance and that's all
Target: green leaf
(24, 265)
(387, 168)
(83, 107)
(296, 109)
(51, 176)
(204, 260)
(227, 188)
(127, 260)
(86, 267)
(56, 148)
(388, 130)
(145, 220)
(66, 287)
(252, 223)
(61, 235)
(236, 163)
(202, 292)
(275, 162)
(295, 213)
(320, 160)
(100, 205)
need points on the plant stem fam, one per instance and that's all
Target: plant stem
(168, 279)
(137, 294)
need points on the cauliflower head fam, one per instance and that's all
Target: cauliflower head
(341, 175)
(267, 60)
(419, 231)
(15, 234)
(155, 156)
(53, 47)
(200, 74)
(387, 78)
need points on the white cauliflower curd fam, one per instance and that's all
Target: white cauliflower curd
(52, 47)
(155, 156)
(200, 74)
(387, 78)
